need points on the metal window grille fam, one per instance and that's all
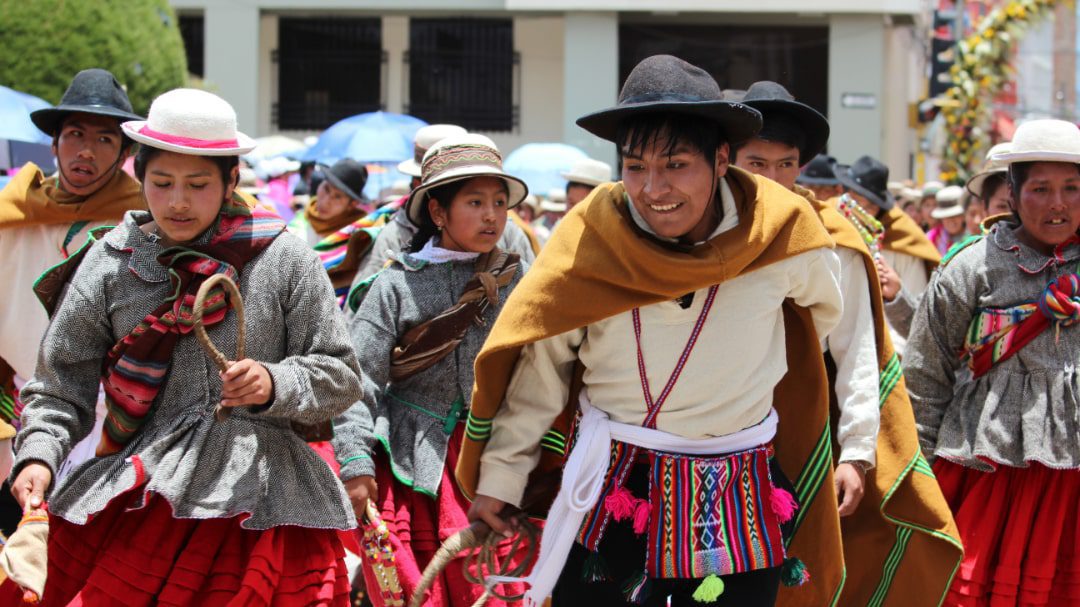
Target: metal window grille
(192, 33)
(738, 55)
(465, 72)
(328, 69)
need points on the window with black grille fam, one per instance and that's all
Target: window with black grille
(738, 55)
(462, 71)
(329, 68)
(191, 32)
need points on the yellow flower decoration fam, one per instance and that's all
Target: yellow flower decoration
(981, 69)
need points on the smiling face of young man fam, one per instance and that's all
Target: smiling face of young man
(773, 159)
(673, 184)
(89, 149)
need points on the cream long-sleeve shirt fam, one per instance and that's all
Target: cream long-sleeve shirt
(26, 252)
(726, 385)
(854, 351)
(914, 278)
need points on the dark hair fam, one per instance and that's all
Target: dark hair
(225, 164)
(991, 184)
(444, 195)
(636, 133)
(967, 199)
(571, 184)
(778, 127)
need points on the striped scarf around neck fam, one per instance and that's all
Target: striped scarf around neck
(135, 369)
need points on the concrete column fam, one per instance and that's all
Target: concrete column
(267, 85)
(232, 58)
(395, 40)
(902, 82)
(856, 67)
(591, 71)
(1064, 100)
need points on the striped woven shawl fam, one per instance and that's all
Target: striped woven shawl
(135, 368)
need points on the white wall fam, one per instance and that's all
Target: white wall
(232, 59)
(856, 65)
(540, 42)
(591, 59)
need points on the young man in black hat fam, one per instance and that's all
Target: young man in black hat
(791, 134)
(859, 357)
(678, 407)
(43, 219)
(818, 177)
(903, 252)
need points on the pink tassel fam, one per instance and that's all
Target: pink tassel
(620, 503)
(641, 516)
(782, 503)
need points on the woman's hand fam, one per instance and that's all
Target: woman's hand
(30, 486)
(360, 489)
(246, 383)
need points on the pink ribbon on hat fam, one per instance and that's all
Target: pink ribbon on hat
(209, 144)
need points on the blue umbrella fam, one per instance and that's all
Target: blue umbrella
(373, 137)
(15, 108)
(378, 139)
(540, 165)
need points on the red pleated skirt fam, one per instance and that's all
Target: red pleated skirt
(418, 524)
(1021, 534)
(147, 557)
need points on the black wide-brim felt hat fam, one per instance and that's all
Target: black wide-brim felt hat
(773, 100)
(93, 91)
(867, 177)
(347, 175)
(667, 84)
(819, 171)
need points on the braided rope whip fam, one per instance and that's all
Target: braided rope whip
(222, 362)
(480, 562)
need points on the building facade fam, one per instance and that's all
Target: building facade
(523, 70)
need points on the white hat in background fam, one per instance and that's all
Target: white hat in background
(554, 202)
(990, 167)
(425, 138)
(948, 200)
(588, 172)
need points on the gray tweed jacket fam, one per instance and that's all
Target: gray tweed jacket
(413, 419)
(398, 231)
(250, 463)
(1027, 407)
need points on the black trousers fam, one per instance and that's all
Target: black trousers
(624, 554)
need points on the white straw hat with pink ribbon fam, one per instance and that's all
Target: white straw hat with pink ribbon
(190, 121)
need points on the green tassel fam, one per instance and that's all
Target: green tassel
(637, 589)
(596, 569)
(710, 589)
(794, 572)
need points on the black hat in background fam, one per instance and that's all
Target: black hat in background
(347, 175)
(667, 84)
(867, 177)
(818, 171)
(787, 119)
(93, 91)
